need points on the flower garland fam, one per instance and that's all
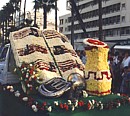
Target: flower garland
(29, 77)
(69, 105)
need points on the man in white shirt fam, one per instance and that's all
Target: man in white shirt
(126, 60)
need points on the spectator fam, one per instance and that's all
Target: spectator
(78, 53)
(110, 57)
(125, 88)
(115, 59)
(117, 75)
(84, 58)
(126, 60)
(111, 66)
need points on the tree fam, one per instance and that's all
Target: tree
(35, 12)
(17, 6)
(2, 20)
(6, 15)
(24, 9)
(56, 14)
(100, 32)
(100, 20)
(47, 6)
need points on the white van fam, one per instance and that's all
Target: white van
(122, 47)
(7, 66)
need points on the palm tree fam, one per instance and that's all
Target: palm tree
(6, 15)
(19, 11)
(100, 32)
(2, 20)
(45, 16)
(24, 9)
(100, 20)
(56, 14)
(16, 6)
(46, 5)
(35, 13)
(9, 11)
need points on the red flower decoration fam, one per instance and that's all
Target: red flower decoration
(31, 72)
(67, 107)
(44, 104)
(96, 42)
(88, 106)
(79, 103)
(61, 105)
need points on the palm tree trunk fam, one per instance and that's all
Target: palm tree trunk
(100, 33)
(76, 9)
(24, 9)
(35, 13)
(45, 16)
(3, 25)
(72, 26)
(56, 15)
(19, 13)
(6, 23)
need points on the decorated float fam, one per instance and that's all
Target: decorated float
(97, 73)
(52, 78)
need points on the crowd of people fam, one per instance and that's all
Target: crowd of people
(119, 64)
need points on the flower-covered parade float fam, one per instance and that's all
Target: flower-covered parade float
(52, 78)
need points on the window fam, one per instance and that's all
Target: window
(66, 20)
(123, 18)
(122, 31)
(123, 6)
(128, 31)
(66, 29)
(69, 19)
(61, 21)
(61, 29)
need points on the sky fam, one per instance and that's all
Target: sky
(29, 7)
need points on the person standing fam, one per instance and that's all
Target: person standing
(84, 58)
(126, 60)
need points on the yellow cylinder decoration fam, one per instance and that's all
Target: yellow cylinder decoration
(97, 73)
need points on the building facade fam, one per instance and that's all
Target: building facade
(115, 18)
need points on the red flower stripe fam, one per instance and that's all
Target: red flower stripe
(98, 78)
(31, 49)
